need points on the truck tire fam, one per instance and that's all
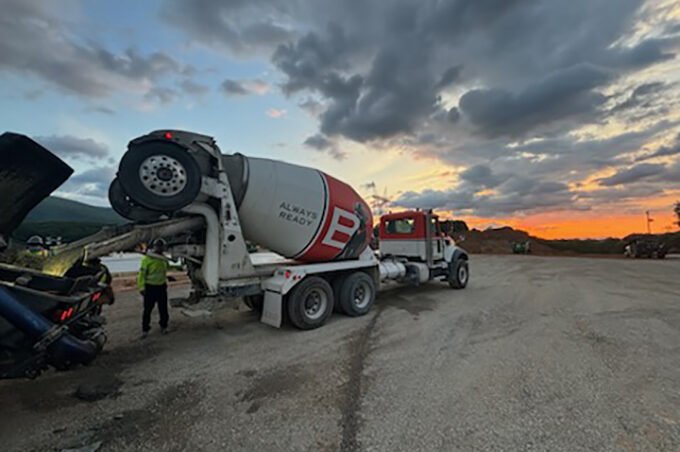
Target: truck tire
(254, 302)
(357, 294)
(160, 176)
(124, 206)
(310, 303)
(459, 274)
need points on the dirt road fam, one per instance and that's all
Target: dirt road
(537, 354)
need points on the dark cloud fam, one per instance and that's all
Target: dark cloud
(318, 142)
(241, 26)
(483, 175)
(640, 96)
(310, 62)
(33, 41)
(515, 196)
(193, 88)
(234, 88)
(244, 87)
(561, 95)
(101, 109)
(633, 174)
(161, 95)
(68, 146)
(311, 106)
(663, 151)
(450, 75)
(453, 115)
(321, 143)
(534, 64)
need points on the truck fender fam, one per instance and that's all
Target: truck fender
(453, 253)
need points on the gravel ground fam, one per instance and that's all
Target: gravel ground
(536, 354)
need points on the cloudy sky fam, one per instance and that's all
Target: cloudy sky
(558, 117)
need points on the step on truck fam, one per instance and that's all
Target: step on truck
(315, 230)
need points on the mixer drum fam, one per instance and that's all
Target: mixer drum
(298, 212)
(302, 213)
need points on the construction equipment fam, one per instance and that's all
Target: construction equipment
(523, 247)
(650, 248)
(316, 227)
(44, 320)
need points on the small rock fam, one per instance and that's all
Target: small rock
(118, 417)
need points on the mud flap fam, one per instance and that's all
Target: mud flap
(28, 174)
(272, 310)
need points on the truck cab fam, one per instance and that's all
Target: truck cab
(414, 234)
(414, 249)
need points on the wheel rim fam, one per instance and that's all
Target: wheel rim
(315, 304)
(361, 296)
(462, 274)
(163, 175)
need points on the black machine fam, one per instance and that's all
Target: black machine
(45, 320)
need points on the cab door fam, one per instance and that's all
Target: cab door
(437, 239)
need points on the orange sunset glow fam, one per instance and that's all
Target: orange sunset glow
(566, 225)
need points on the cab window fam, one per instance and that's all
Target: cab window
(402, 226)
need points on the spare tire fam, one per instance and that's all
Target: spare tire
(125, 207)
(160, 175)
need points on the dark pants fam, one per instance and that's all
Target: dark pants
(153, 295)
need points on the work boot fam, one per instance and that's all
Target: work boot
(145, 334)
(164, 330)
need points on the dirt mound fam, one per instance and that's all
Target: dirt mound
(500, 241)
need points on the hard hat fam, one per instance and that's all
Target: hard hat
(35, 240)
(159, 243)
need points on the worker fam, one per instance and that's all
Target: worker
(152, 284)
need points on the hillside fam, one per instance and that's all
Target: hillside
(71, 220)
(53, 208)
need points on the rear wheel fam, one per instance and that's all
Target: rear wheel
(310, 303)
(458, 274)
(357, 294)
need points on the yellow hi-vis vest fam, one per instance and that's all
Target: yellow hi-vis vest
(153, 271)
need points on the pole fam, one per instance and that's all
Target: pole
(649, 223)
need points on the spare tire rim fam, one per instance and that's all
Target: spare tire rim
(163, 175)
(315, 304)
(362, 295)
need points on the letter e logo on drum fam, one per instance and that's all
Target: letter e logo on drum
(343, 225)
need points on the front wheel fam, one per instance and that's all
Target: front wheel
(310, 303)
(458, 274)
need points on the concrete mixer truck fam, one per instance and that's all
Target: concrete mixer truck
(315, 228)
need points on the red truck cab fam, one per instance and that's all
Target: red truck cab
(407, 234)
